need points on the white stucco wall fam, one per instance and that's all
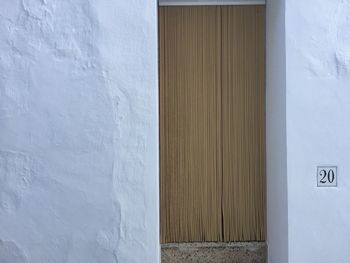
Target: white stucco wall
(276, 147)
(318, 121)
(79, 131)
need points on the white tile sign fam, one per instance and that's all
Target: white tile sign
(327, 176)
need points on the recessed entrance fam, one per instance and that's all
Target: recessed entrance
(212, 123)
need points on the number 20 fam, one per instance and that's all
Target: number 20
(327, 176)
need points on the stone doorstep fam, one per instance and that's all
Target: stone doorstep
(212, 252)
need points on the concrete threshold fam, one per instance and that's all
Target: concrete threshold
(212, 252)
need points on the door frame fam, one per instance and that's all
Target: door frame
(211, 3)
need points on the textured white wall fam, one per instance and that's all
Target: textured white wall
(276, 147)
(318, 122)
(79, 131)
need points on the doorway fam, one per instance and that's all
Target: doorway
(212, 123)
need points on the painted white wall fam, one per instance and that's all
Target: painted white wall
(276, 147)
(79, 131)
(318, 122)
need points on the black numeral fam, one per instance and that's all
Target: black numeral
(327, 177)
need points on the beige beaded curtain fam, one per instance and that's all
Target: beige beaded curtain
(212, 123)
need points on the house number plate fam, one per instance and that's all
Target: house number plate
(327, 176)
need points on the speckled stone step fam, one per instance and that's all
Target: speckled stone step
(210, 252)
